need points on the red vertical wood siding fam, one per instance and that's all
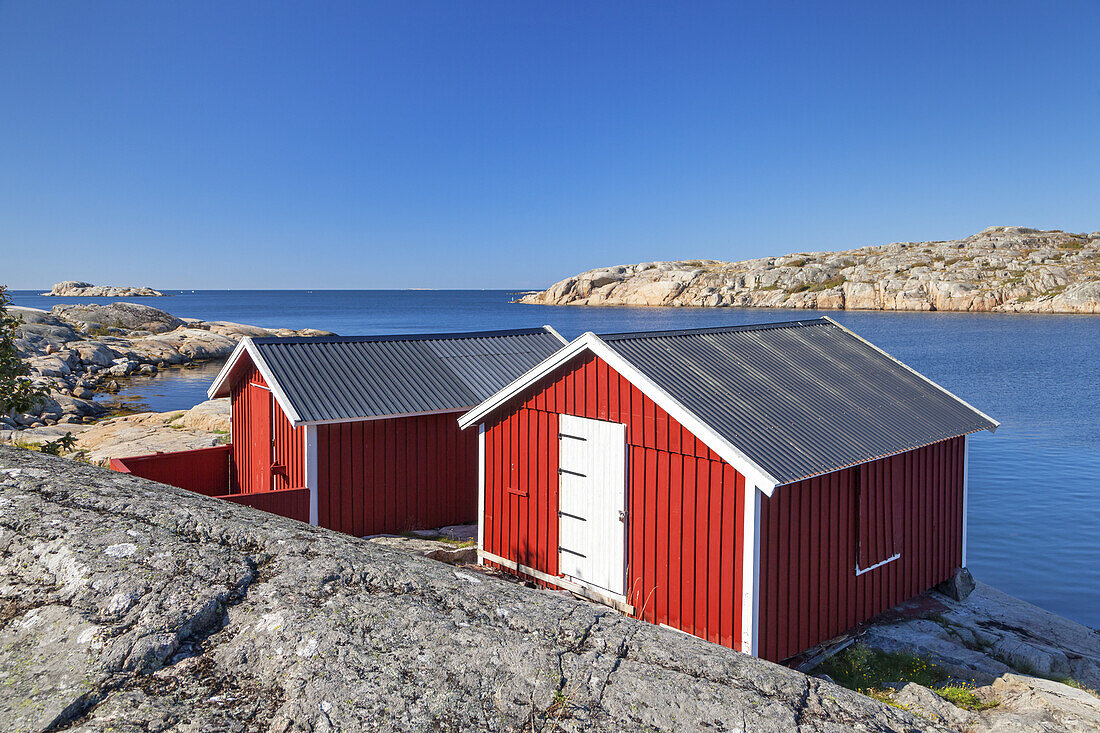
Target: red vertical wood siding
(290, 503)
(204, 470)
(809, 544)
(263, 458)
(394, 475)
(685, 505)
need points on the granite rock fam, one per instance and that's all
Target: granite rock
(1011, 269)
(76, 288)
(129, 605)
(121, 315)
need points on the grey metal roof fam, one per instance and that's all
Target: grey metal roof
(330, 378)
(801, 398)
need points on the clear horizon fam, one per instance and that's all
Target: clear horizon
(489, 145)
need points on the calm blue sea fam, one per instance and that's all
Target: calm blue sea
(1034, 499)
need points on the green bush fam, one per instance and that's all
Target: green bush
(17, 392)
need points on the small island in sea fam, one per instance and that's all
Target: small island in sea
(1004, 269)
(78, 288)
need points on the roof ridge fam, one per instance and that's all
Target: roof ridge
(624, 335)
(267, 340)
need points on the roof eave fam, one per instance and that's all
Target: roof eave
(591, 342)
(223, 384)
(993, 424)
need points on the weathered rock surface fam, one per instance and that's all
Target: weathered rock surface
(991, 633)
(78, 351)
(428, 547)
(203, 426)
(124, 316)
(129, 605)
(76, 288)
(1032, 704)
(927, 704)
(1011, 269)
(1008, 650)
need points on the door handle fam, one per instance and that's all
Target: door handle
(622, 515)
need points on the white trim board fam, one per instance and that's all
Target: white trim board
(589, 341)
(550, 329)
(877, 564)
(309, 446)
(750, 574)
(563, 583)
(246, 346)
(966, 495)
(480, 487)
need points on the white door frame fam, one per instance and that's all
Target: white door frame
(584, 426)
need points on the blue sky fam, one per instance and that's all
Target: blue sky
(509, 144)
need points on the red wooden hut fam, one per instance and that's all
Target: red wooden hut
(764, 487)
(368, 423)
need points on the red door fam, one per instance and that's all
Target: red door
(260, 433)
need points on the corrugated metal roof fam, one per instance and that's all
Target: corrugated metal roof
(330, 378)
(800, 398)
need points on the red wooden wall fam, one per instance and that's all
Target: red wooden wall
(393, 475)
(263, 460)
(685, 505)
(204, 471)
(292, 503)
(810, 543)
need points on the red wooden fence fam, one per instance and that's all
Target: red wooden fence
(292, 503)
(204, 471)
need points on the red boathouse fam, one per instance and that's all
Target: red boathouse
(764, 487)
(367, 424)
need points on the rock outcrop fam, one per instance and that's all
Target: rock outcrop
(1038, 671)
(992, 633)
(76, 288)
(79, 351)
(1010, 269)
(123, 317)
(129, 605)
(205, 425)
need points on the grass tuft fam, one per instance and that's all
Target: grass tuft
(964, 697)
(859, 668)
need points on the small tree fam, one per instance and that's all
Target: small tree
(17, 392)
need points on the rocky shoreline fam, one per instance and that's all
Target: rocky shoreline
(205, 425)
(77, 289)
(1001, 269)
(81, 351)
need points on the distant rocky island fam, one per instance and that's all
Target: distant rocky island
(76, 288)
(1004, 269)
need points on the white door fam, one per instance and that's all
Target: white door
(592, 502)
